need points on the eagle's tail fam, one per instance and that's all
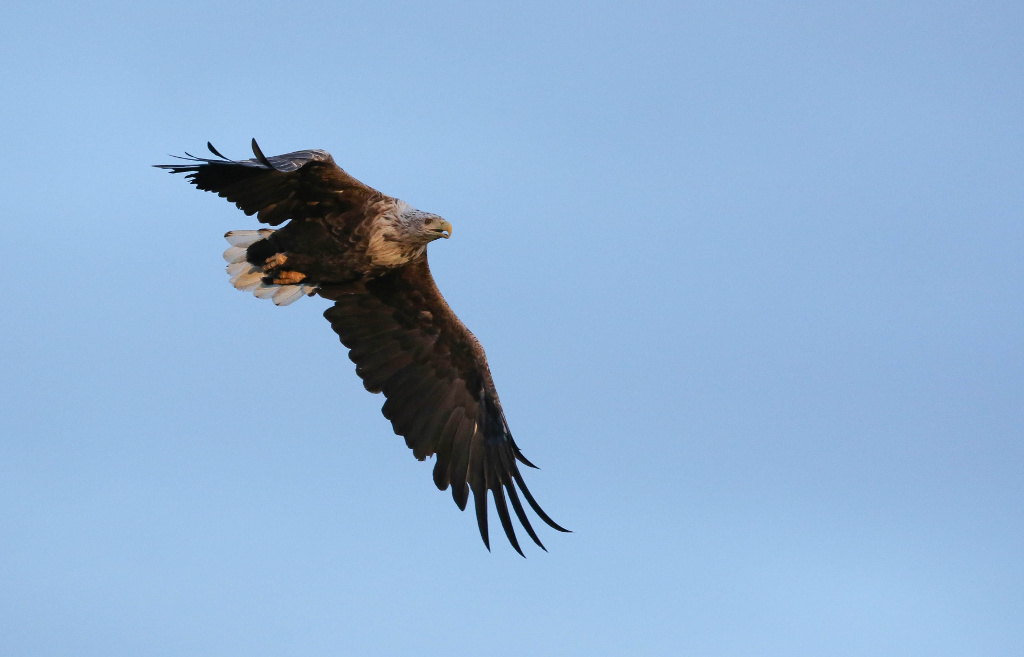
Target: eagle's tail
(248, 277)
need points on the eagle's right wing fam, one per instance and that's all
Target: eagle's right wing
(300, 185)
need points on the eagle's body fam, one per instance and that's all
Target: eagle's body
(367, 252)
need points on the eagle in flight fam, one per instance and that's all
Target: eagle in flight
(367, 252)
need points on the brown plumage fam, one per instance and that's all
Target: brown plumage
(366, 252)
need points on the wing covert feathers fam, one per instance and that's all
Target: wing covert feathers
(406, 342)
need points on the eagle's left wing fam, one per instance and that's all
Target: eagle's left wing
(407, 343)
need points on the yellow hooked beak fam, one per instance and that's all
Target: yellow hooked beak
(446, 227)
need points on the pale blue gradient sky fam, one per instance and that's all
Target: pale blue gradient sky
(750, 277)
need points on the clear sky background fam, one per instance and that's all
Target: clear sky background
(750, 276)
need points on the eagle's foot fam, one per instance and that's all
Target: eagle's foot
(273, 273)
(289, 277)
(275, 261)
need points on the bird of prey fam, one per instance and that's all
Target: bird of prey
(367, 252)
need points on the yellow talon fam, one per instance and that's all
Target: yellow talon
(289, 278)
(275, 260)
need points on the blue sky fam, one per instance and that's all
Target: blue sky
(749, 276)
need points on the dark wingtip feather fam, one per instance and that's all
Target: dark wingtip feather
(480, 502)
(536, 507)
(461, 495)
(179, 168)
(518, 453)
(260, 156)
(506, 520)
(522, 459)
(521, 514)
(214, 151)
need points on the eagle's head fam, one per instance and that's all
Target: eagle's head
(418, 227)
(402, 234)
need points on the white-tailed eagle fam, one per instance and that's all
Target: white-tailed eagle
(367, 252)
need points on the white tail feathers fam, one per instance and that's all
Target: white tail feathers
(249, 277)
(234, 254)
(246, 238)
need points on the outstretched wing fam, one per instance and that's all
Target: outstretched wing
(407, 343)
(292, 186)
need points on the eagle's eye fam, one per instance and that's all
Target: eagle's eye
(429, 221)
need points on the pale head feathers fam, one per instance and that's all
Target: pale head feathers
(401, 233)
